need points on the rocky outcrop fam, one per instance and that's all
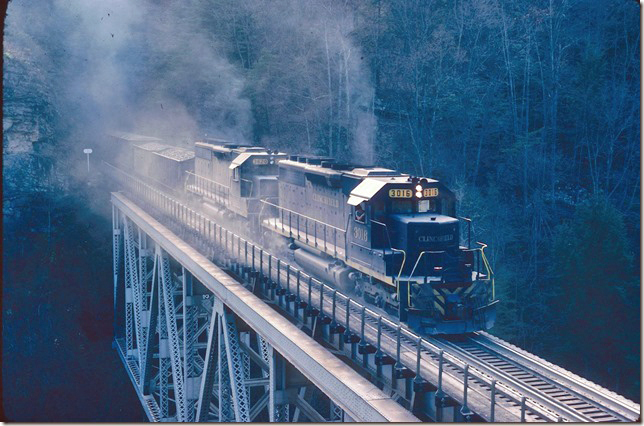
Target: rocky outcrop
(29, 122)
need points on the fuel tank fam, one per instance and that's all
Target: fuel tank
(325, 268)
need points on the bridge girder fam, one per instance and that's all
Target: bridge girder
(184, 351)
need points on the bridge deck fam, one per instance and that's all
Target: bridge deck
(358, 397)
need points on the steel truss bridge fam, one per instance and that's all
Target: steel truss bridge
(212, 326)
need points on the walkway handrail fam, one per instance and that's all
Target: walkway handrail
(188, 172)
(303, 215)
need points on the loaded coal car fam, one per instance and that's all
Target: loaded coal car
(163, 164)
(388, 237)
(121, 145)
(235, 176)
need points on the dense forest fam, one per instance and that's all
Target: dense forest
(528, 110)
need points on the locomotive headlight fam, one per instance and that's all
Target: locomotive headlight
(419, 188)
(419, 194)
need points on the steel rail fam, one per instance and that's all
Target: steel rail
(511, 380)
(612, 403)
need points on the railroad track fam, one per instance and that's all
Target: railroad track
(577, 398)
(503, 383)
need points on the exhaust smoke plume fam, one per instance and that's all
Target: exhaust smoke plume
(173, 71)
(140, 66)
(309, 74)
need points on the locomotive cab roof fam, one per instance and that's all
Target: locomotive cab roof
(324, 166)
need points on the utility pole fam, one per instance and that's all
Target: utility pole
(87, 151)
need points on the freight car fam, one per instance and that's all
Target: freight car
(121, 145)
(163, 163)
(149, 158)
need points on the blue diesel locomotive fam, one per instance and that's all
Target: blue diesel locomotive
(391, 238)
(386, 236)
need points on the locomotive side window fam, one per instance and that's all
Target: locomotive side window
(236, 174)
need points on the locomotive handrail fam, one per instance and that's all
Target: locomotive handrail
(386, 232)
(206, 179)
(269, 197)
(217, 191)
(413, 270)
(304, 216)
(420, 256)
(402, 265)
(487, 265)
(469, 230)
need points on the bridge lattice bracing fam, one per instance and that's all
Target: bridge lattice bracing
(192, 358)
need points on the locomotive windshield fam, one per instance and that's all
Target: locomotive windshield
(425, 206)
(402, 206)
(410, 206)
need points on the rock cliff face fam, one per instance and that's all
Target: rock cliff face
(56, 296)
(29, 122)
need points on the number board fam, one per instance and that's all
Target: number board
(260, 161)
(430, 192)
(400, 193)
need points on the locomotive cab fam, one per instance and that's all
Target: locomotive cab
(235, 176)
(253, 177)
(407, 224)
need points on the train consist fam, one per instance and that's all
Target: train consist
(388, 237)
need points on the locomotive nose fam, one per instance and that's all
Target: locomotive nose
(425, 232)
(436, 235)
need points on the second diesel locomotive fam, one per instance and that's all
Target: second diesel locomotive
(391, 238)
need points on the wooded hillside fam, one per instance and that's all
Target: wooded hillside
(528, 110)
